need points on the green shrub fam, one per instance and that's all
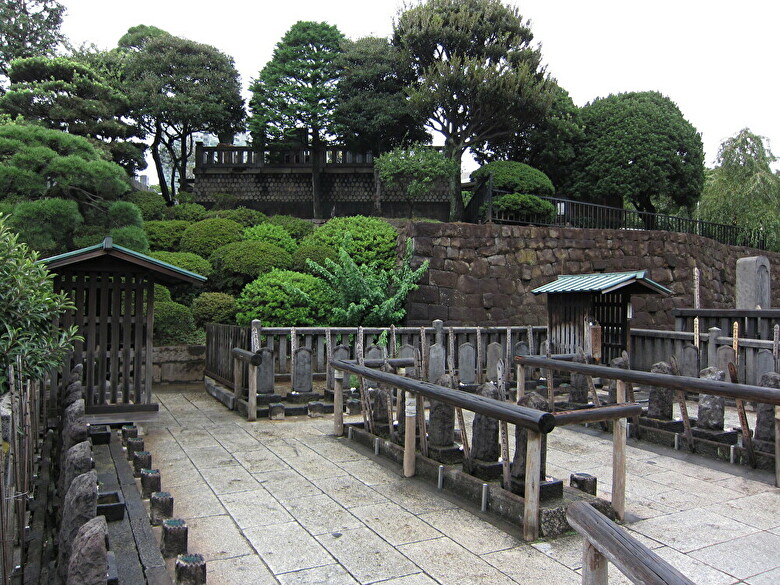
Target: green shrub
(124, 213)
(246, 217)
(89, 235)
(165, 234)
(205, 236)
(47, 225)
(224, 201)
(373, 240)
(515, 177)
(295, 226)
(185, 260)
(271, 299)
(237, 264)
(162, 293)
(214, 307)
(271, 234)
(314, 252)
(173, 323)
(524, 204)
(132, 237)
(186, 211)
(151, 204)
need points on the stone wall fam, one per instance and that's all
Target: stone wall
(175, 364)
(484, 274)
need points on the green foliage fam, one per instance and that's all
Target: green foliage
(214, 307)
(372, 113)
(124, 213)
(314, 252)
(638, 150)
(742, 190)
(246, 217)
(173, 323)
(515, 177)
(367, 296)
(271, 234)
(416, 169)
(28, 29)
(295, 226)
(131, 236)
(476, 74)
(161, 293)
(47, 225)
(88, 235)
(185, 260)
(151, 204)
(205, 236)
(37, 162)
(525, 205)
(223, 201)
(165, 235)
(373, 241)
(186, 212)
(283, 298)
(28, 306)
(237, 264)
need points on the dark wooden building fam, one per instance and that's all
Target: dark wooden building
(113, 291)
(576, 300)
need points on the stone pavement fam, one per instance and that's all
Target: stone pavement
(285, 502)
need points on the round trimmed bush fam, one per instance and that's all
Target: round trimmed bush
(516, 177)
(205, 236)
(165, 234)
(214, 307)
(237, 264)
(162, 293)
(151, 204)
(271, 234)
(132, 237)
(123, 213)
(185, 260)
(271, 299)
(89, 235)
(173, 323)
(246, 217)
(529, 205)
(295, 226)
(186, 211)
(311, 251)
(373, 241)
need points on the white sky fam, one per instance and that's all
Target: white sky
(717, 60)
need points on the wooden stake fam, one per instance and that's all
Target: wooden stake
(409, 437)
(618, 458)
(338, 403)
(747, 441)
(464, 438)
(533, 471)
(505, 453)
(594, 565)
(421, 425)
(680, 396)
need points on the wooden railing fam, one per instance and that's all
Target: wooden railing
(753, 324)
(605, 541)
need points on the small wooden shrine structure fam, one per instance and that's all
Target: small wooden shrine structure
(113, 291)
(576, 301)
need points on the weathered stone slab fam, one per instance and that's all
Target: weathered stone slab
(78, 508)
(765, 413)
(467, 363)
(689, 361)
(711, 408)
(88, 563)
(265, 371)
(661, 402)
(495, 351)
(484, 444)
(578, 392)
(77, 460)
(753, 283)
(302, 376)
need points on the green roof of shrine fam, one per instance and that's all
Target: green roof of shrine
(635, 282)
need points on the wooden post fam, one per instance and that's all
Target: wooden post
(520, 382)
(594, 565)
(251, 399)
(410, 438)
(533, 470)
(338, 403)
(505, 453)
(236, 379)
(619, 458)
(464, 438)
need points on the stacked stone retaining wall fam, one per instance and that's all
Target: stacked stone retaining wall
(484, 274)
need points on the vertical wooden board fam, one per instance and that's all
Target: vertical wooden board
(533, 470)
(619, 458)
(594, 565)
(149, 343)
(80, 301)
(90, 338)
(114, 320)
(102, 355)
(127, 334)
(138, 338)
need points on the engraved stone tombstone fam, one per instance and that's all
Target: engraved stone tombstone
(494, 353)
(441, 428)
(764, 363)
(303, 373)
(485, 450)
(764, 434)
(467, 363)
(711, 408)
(437, 362)
(375, 352)
(753, 283)
(725, 355)
(578, 392)
(661, 402)
(618, 362)
(689, 361)
(522, 348)
(265, 372)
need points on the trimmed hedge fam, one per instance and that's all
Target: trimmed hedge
(186, 211)
(295, 226)
(311, 251)
(525, 204)
(131, 236)
(205, 236)
(246, 217)
(124, 213)
(237, 264)
(173, 323)
(186, 260)
(151, 204)
(271, 299)
(516, 177)
(165, 234)
(271, 234)
(214, 307)
(373, 241)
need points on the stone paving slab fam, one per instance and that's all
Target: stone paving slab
(285, 502)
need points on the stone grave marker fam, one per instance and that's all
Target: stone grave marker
(467, 363)
(303, 373)
(689, 361)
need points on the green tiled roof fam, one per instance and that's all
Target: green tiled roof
(602, 283)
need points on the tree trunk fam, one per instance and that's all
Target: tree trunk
(155, 148)
(183, 164)
(316, 178)
(456, 199)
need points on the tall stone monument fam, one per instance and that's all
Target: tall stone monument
(753, 283)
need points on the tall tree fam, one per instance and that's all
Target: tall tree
(742, 190)
(294, 96)
(477, 76)
(67, 95)
(638, 150)
(372, 112)
(176, 88)
(29, 28)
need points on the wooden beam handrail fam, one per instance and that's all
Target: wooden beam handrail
(741, 391)
(605, 540)
(250, 357)
(598, 414)
(394, 362)
(528, 418)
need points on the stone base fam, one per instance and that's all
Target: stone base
(672, 426)
(764, 446)
(266, 399)
(448, 455)
(302, 397)
(111, 505)
(487, 470)
(100, 434)
(549, 489)
(726, 437)
(584, 482)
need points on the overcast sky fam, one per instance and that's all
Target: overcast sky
(717, 60)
